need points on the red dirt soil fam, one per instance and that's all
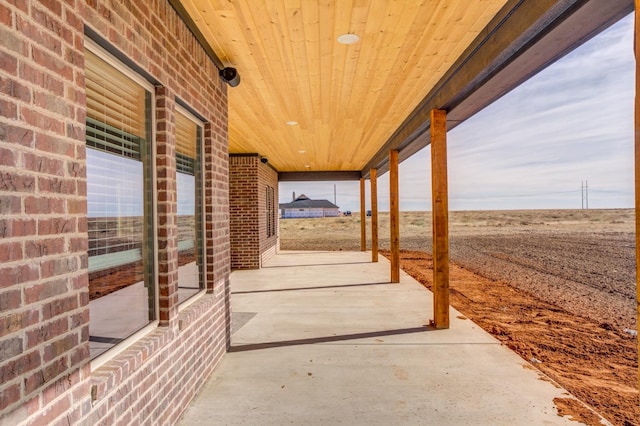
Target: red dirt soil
(594, 361)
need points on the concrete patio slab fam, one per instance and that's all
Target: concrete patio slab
(324, 338)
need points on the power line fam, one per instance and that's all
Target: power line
(514, 195)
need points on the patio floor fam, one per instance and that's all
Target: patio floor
(322, 338)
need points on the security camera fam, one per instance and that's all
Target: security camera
(230, 76)
(264, 160)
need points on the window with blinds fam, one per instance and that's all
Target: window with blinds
(187, 135)
(113, 98)
(189, 196)
(119, 201)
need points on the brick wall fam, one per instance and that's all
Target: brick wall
(167, 204)
(248, 179)
(267, 176)
(44, 368)
(243, 208)
(45, 372)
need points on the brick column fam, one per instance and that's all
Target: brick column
(245, 205)
(167, 205)
(216, 199)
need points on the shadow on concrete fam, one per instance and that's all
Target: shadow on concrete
(328, 339)
(312, 264)
(307, 252)
(322, 287)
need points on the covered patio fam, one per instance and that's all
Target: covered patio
(157, 133)
(322, 338)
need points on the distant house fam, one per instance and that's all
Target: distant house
(303, 206)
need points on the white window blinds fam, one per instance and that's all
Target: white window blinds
(186, 138)
(113, 98)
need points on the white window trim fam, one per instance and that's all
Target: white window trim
(117, 349)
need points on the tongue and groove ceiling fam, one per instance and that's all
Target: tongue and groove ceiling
(351, 101)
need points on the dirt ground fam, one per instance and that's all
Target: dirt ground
(555, 286)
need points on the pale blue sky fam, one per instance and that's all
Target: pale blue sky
(531, 149)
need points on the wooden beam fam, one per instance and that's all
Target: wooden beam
(440, 218)
(318, 176)
(373, 175)
(637, 166)
(394, 216)
(363, 218)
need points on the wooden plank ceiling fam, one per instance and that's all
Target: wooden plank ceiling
(347, 99)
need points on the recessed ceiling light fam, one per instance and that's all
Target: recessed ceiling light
(302, 151)
(348, 38)
(292, 123)
(307, 166)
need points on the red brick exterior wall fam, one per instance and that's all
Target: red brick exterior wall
(167, 204)
(44, 295)
(244, 214)
(45, 373)
(267, 176)
(248, 179)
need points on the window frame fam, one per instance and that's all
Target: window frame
(199, 151)
(120, 347)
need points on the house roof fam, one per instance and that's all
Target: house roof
(304, 202)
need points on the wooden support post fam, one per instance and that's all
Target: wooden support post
(373, 175)
(363, 218)
(394, 216)
(636, 47)
(440, 207)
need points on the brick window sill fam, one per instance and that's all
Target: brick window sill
(125, 364)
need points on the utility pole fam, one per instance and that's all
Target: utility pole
(584, 191)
